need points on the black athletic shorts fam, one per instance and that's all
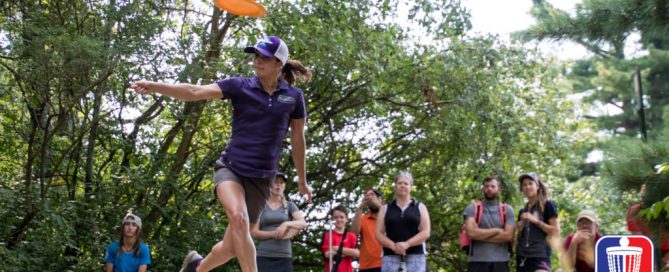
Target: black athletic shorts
(488, 267)
(531, 264)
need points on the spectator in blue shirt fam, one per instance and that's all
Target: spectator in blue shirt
(264, 107)
(129, 253)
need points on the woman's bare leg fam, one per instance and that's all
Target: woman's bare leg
(237, 241)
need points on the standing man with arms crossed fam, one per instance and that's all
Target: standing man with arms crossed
(491, 237)
(370, 250)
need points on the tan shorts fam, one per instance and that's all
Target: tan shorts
(256, 190)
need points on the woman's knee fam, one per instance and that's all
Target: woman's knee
(239, 221)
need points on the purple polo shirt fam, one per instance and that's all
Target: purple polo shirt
(259, 124)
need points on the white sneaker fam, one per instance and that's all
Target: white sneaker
(191, 262)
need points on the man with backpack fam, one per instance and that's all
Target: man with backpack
(488, 230)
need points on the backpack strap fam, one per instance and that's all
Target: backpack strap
(478, 211)
(478, 214)
(502, 213)
(502, 216)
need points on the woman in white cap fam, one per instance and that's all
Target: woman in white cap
(537, 223)
(264, 107)
(129, 253)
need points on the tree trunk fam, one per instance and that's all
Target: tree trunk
(192, 112)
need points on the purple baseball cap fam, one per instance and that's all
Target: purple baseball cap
(270, 46)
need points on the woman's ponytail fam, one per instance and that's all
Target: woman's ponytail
(293, 71)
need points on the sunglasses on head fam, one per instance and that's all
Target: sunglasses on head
(264, 43)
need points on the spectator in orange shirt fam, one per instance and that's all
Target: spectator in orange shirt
(370, 249)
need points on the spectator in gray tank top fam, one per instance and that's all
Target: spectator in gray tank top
(402, 228)
(280, 221)
(491, 241)
(537, 226)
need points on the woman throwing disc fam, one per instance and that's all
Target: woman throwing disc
(264, 107)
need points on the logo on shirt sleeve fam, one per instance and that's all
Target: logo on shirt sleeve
(286, 99)
(624, 253)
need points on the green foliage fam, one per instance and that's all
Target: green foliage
(632, 165)
(79, 149)
(654, 211)
(603, 27)
(605, 82)
(586, 193)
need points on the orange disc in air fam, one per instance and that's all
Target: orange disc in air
(241, 7)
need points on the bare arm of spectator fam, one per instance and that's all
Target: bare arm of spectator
(503, 237)
(380, 230)
(355, 223)
(261, 234)
(479, 234)
(352, 252)
(553, 228)
(423, 228)
(296, 225)
(572, 246)
(298, 221)
(507, 235)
